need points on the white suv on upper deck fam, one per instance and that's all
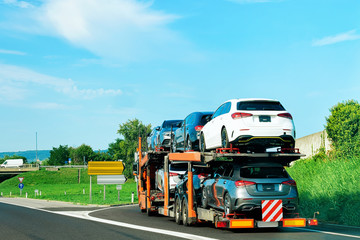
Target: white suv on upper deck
(250, 124)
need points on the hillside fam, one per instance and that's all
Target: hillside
(30, 155)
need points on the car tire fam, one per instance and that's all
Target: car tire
(204, 198)
(177, 211)
(185, 214)
(227, 204)
(224, 139)
(202, 145)
(189, 145)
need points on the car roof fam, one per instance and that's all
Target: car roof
(251, 99)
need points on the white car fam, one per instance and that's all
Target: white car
(249, 124)
(175, 169)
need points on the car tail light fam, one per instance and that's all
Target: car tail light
(173, 174)
(240, 115)
(244, 183)
(285, 115)
(290, 183)
(198, 128)
(202, 175)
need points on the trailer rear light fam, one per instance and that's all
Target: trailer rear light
(221, 224)
(285, 115)
(171, 174)
(312, 222)
(290, 183)
(240, 115)
(244, 183)
(198, 128)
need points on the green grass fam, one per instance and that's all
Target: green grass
(54, 184)
(331, 187)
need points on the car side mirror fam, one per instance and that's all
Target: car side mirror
(157, 129)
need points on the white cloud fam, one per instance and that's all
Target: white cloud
(21, 4)
(48, 105)
(347, 36)
(4, 51)
(16, 81)
(123, 30)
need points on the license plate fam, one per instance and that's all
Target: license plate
(264, 118)
(268, 187)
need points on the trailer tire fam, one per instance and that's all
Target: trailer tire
(185, 213)
(178, 213)
(148, 210)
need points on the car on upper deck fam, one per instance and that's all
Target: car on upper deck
(152, 137)
(253, 125)
(186, 137)
(164, 136)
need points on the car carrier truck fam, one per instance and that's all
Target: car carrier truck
(186, 210)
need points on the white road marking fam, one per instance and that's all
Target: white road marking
(331, 233)
(85, 215)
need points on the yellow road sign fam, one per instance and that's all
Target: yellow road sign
(105, 168)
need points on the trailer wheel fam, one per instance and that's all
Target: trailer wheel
(148, 210)
(185, 215)
(178, 211)
(204, 198)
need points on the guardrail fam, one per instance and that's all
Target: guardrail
(65, 166)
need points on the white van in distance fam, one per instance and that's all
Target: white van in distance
(13, 163)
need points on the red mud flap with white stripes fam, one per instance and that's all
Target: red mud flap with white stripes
(272, 210)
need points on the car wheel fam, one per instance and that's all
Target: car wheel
(227, 204)
(173, 146)
(202, 143)
(189, 144)
(224, 139)
(204, 198)
(178, 219)
(185, 215)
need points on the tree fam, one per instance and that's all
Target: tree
(343, 127)
(59, 155)
(77, 154)
(125, 149)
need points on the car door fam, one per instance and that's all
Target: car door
(210, 129)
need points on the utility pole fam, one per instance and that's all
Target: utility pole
(36, 149)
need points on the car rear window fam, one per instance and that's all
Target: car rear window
(179, 167)
(167, 124)
(263, 172)
(260, 106)
(203, 120)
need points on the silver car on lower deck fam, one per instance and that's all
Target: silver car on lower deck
(240, 188)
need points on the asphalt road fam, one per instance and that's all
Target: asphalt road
(127, 222)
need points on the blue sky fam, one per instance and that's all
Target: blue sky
(73, 70)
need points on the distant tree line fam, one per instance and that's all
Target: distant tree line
(122, 149)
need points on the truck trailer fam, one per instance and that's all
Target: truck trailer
(185, 209)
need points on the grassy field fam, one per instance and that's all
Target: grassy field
(331, 187)
(63, 185)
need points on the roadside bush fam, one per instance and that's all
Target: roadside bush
(343, 127)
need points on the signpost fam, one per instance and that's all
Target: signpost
(107, 172)
(21, 185)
